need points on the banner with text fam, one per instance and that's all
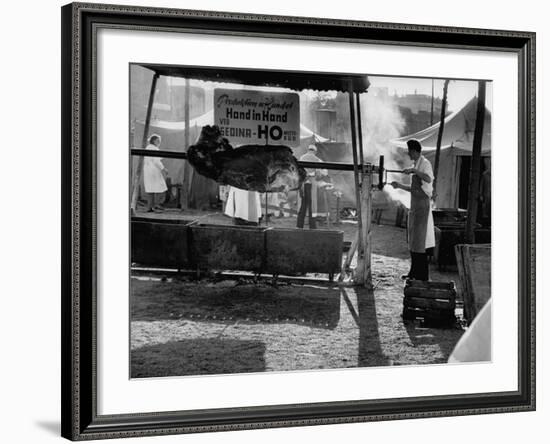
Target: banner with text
(258, 117)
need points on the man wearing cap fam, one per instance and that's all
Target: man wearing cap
(421, 228)
(308, 192)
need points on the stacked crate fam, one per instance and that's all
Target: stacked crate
(434, 302)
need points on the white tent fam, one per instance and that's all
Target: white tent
(457, 142)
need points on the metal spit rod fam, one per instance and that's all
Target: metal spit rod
(383, 173)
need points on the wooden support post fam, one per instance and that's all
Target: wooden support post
(359, 131)
(475, 171)
(351, 252)
(363, 271)
(363, 183)
(440, 137)
(327, 207)
(266, 212)
(432, 107)
(337, 217)
(186, 181)
(366, 206)
(356, 175)
(139, 170)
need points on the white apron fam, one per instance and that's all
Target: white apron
(425, 166)
(430, 230)
(153, 180)
(430, 233)
(243, 204)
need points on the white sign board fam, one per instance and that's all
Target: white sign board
(257, 117)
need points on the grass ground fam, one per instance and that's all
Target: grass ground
(184, 327)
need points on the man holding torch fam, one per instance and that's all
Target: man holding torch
(421, 228)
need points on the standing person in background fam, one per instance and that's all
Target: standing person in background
(153, 176)
(421, 227)
(308, 193)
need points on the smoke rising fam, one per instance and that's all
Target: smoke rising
(382, 122)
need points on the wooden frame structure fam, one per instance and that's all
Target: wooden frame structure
(352, 84)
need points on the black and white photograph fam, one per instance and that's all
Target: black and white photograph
(274, 222)
(301, 221)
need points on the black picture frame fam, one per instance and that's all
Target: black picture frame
(79, 396)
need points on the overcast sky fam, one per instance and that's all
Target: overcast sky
(458, 94)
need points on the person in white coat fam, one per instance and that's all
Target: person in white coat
(153, 175)
(421, 226)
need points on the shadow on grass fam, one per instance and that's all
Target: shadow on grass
(227, 301)
(370, 348)
(198, 357)
(444, 337)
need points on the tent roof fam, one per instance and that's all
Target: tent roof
(295, 80)
(208, 119)
(458, 131)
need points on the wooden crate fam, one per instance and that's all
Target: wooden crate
(474, 271)
(434, 302)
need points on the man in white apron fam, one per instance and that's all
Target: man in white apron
(153, 175)
(421, 225)
(243, 206)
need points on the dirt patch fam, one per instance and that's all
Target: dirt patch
(235, 301)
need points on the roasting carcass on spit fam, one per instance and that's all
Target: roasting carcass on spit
(262, 168)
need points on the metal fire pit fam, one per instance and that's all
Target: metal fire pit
(160, 242)
(224, 247)
(292, 250)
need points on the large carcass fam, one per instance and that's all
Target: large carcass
(262, 168)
